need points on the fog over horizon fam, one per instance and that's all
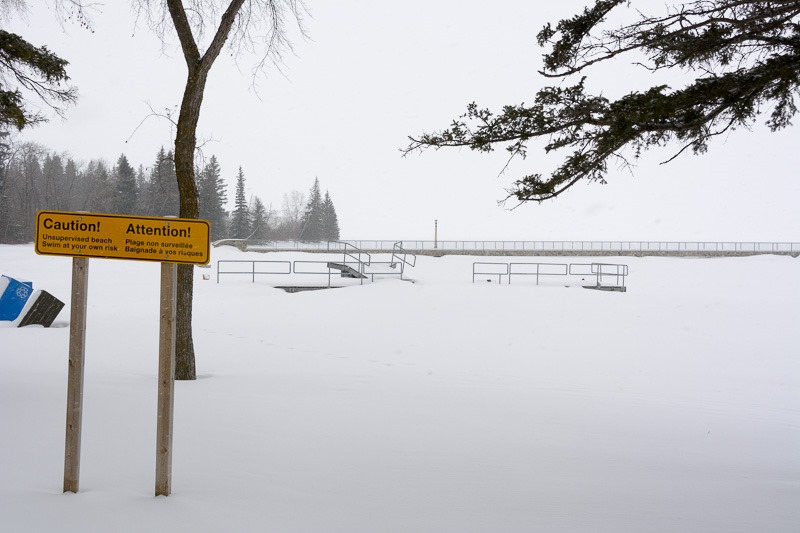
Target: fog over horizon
(342, 105)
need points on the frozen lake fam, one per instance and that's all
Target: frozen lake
(438, 405)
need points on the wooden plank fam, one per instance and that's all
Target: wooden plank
(166, 378)
(77, 344)
(43, 311)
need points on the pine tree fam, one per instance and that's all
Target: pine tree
(99, 186)
(38, 72)
(163, 188)
(259, 215)
(72, 185)
(125, 193)
(142, 192)
(211, 190)
(240, 220)
(330, 222)
(53, 182)
(312, 218)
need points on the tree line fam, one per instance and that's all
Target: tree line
(34, 178)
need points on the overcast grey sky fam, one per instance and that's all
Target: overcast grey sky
(374, 72)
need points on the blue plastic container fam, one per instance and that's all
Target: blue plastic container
(14, 297)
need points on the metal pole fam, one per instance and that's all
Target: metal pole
(435, 234)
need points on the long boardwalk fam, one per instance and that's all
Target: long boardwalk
(537, 248)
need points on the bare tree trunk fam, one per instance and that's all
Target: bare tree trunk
(185, 144)
(184, 344)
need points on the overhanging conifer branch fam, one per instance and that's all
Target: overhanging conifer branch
(745, 53)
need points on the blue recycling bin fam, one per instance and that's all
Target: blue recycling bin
(14, 297)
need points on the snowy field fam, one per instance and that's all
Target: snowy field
(434, 406)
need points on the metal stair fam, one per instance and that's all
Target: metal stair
(347, 271)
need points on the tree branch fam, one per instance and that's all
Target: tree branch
(185, 35)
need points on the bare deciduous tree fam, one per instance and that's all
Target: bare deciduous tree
(246, 26)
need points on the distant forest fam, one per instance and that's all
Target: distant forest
(34, 178)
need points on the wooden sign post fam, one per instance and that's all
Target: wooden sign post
(166, 378)
(166, 240)
(77, 348)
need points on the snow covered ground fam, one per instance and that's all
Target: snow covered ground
(433, 406)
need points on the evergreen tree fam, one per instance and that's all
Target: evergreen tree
(72, 185)
(141, 179)
(259, 215)
(28, 196)
(312, 218)
(330, 222)
(55, 196)
(240, 220)
(211, 190)
(124, 201)
(100, 187)
(38, 72)
(162, 194)
(143, 196)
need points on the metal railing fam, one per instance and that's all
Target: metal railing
(536, 269)
(539, 246)
(602, 272)
(489, 269)
(401, 256)
(350, 251)
(252, 272)
(355, 263)
(605, 274)
(305, 270)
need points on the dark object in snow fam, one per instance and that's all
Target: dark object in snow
(43, 311)
(295, 288)
(611, 288)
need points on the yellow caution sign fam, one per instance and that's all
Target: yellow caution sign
(162, 239)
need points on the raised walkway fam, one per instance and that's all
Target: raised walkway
(535, 248)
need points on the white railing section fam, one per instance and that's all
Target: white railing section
(605, 274)
(538, 246)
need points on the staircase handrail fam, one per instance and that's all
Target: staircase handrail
(356, 255)
(398, 249)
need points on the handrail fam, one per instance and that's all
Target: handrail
(300, 271)
(619, 272)
(490, 273)
(371, 272)
(397, 249)
(538, 271)
(252, 271)
(710, 247)
(599, 270)
(361, 264)
(365, 273)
